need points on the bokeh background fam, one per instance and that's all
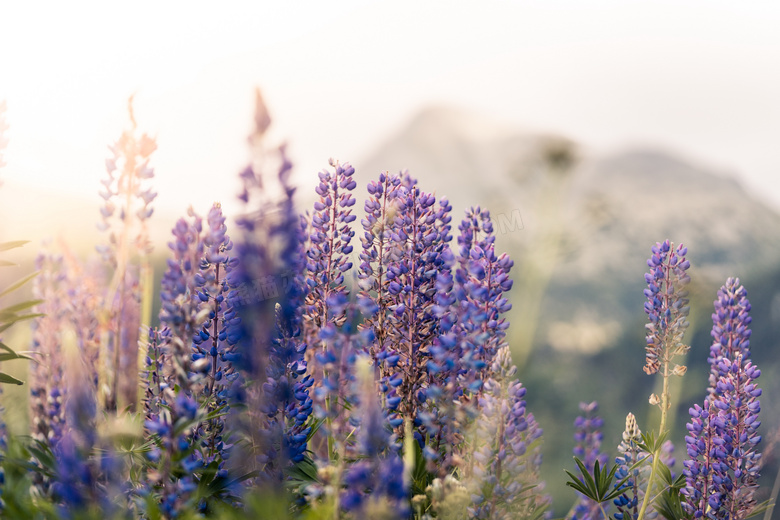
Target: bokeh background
(592, 129)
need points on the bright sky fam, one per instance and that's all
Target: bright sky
(699, 77)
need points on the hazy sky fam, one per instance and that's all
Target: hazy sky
(698, 77)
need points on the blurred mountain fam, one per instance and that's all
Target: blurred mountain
(579, 226)
(604, 211)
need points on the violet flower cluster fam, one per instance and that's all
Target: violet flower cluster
(666, 306)
(252, 380)
(723, 465)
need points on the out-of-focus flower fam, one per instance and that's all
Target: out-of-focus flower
(87, 476)
(127, 206)
(378, 476)
(507, 454)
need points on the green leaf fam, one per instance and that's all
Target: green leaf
(11, 288)
(596, 486)
(5, 378)
(10, 354)
(5, 246)
(13, 309)
(8, 323)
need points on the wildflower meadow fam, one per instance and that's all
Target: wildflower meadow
(328, 363)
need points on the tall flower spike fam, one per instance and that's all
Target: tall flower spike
(706, 469)
(127, 207)
(666, 306)
(723, 465)
(630, 454)
(213, 349)
(46, 378)
(420, 234)
(267, 289)
(329, 247)
(737, 398)
(380, 208)
(179, 304)
(730, 327)
(506, 455)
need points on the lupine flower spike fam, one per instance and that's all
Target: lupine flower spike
(127, 206)
(723, 465)
(506, 457)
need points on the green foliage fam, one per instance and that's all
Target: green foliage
(598, 486)
(13, 314)
(669, 503)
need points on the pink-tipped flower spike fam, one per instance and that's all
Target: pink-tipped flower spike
(667, 305)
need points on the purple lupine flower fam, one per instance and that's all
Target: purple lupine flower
(287, 403)
(469, 302)
(334, 397)
(46, 382)
(329, 248)
(737, 399)
(419, 238)
(475, 230)
(127, 207)
(174, 456)
(588, 437)
(268, 283)
(380, 209)
(501, 454)
(730, 328)
(666, 307)
(482, 280)
(377, 478)
(179, 303)
(723, 465)
(212, 347)
(87, 473)
(154, 378)
(706, 469)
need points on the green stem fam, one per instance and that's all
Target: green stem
(657, 453)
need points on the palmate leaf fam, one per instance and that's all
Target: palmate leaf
(597, 487)
(669, 503)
